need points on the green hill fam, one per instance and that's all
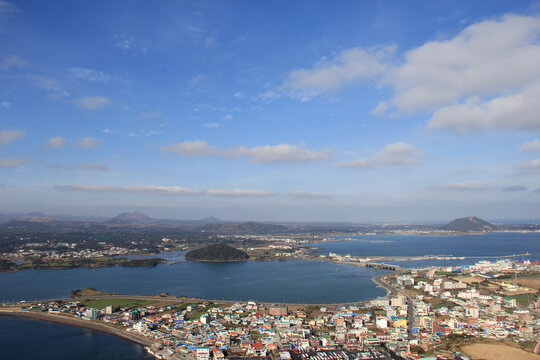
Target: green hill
(217, 252)
(471, 223)
(251, 228)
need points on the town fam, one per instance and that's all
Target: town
(433, 311)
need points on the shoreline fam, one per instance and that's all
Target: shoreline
(375, 279)
(107, 329)
(70, 321)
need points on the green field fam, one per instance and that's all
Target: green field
(523, 299)
(199, 312)
(124, 303)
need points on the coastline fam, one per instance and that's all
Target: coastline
(88, 324)
(104, 328)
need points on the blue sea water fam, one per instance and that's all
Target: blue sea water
(485, 245)
(295, 281)
(29, 339)
(299, 281)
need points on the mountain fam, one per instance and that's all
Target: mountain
(135, 217)
(471, 223)
(244, 228)
(210, 220)
(217, 252)
(36, 214)
(24, 225)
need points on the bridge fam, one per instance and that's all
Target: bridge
(383, 266)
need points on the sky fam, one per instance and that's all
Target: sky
(356, 111)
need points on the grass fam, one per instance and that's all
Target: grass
(527, 345)
(523, 299)
(124, 303)
(181, 307)
(446, 304)
(198, 313)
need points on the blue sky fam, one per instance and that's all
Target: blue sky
(264, 110)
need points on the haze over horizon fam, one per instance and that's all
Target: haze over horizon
(271, 111)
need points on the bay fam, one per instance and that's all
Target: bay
(30, 339)
(291, 281)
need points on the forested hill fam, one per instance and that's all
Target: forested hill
(217, 252)
(244, 228)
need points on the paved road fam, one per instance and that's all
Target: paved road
(393, 291)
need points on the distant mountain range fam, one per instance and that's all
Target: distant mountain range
(244, 228)
(138, 218)
(213, 225)
(135, 217)
(471, 223)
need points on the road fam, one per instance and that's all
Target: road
(394, 291)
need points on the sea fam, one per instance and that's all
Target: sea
(292, 281)
(30, 339)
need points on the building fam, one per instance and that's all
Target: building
(203, 353)
(91, 314)
(278, 310)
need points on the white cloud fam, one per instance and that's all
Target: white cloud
(516, 111)
(98, 167)
(145, 189)
(460, 187)
(7, 7)
(92, 102)
(486, 77)
(359, 163)
(380, 109)
(228, 117)
(111, 131)
(89, 74)
(7, 136)
(129, 45)
(397, 154)
(210, 42)
(194, 80)
(5, 104)
(278, 153)
(211, 125)
(486, 58)
(309, 195)
(44, 83)
(152, 115)
(530, 146)
(351, 65)
(56, 142)
(87, 143)
(238, 192)
(8, 62)
(11, 163)
(262, 154)
(530, 167)
(191, 148)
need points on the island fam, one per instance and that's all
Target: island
(217, 252)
